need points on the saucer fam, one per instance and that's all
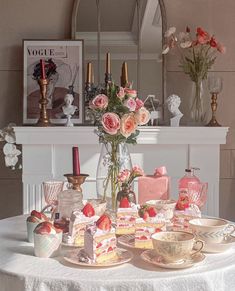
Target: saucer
(123, 256)
(225, 245)
(152, 257)
(128, 240)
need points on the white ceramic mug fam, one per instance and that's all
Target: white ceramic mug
(211, 230)
(174, 246)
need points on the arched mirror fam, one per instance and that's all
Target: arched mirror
(132, 32)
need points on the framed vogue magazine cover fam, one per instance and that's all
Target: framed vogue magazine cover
(63, 61)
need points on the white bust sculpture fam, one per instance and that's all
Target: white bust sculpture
(173, 103)
(68, 108)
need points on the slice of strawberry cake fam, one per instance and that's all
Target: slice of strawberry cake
(147, 224)
(184, 211)
(100, 240)
(77, 225)
(126, 217)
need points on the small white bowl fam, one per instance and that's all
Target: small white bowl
(166, 207)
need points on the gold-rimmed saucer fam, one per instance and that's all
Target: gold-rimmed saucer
(226, 244)
(123, 256)
(150, 256)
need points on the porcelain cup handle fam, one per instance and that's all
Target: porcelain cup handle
(201, 247)
(227, 232)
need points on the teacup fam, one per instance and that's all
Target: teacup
(211, 230)
(166, 207)
(174, 246)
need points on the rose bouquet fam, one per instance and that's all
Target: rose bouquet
(118, 115)
(126, 177)
(197, 55)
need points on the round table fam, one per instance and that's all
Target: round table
(21, 270)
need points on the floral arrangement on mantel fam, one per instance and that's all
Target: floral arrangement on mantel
(197, 55)
(118, 115)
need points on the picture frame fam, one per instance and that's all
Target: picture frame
(63, 61)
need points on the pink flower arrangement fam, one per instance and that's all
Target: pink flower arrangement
(198, 53)
(119, 114)
(126, 177)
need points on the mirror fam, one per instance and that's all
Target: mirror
(132, 32)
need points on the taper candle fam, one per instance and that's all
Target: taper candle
(76, 162)
(42, 68)
(108, 64)
(124, 76)
(88, 79)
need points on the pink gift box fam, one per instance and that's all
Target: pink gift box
(154, 187)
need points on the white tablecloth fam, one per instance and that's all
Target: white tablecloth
(21, 270)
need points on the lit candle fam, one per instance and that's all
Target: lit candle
(88, 79)
(108, 64)
(76, 162)
(42, 67)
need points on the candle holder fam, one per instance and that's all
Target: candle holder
(108, 79)
(76, 181)
(43, 119)
(215, 85)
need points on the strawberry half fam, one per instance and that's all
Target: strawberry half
(39, 215)
(152, 211)
(88, 210)
(182, 203)
(104, 222)
(43, 228)
(124, 203)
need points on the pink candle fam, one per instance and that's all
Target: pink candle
(42, 67)
(76, 162)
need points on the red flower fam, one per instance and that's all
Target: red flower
(202, 36)
(213, 42)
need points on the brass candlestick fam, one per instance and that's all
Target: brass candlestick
(76, 181)
(213, 121)
(43, 119)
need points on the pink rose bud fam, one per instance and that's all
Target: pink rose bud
(130, 104)
(121, 93)
(131, 93)
(139, 103)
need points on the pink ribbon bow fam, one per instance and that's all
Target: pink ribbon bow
(161, 171)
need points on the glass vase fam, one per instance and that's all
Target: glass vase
(113, 159)
(198, 112)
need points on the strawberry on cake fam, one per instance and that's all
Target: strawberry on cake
(78, 222)
(100, 240)
(126, 217)
(32, 221)
(184, 212)
(47, 240)
(147, 224)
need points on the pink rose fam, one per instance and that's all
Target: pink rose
(121, 93)
(123, 176)
(128, 124)
(142, 116)
(130, 103)
(137, 171)
(131, 93)
(111, 123)
(221, 48)
(139, 104)
(99, 102)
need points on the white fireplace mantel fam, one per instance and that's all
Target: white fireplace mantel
(47, 155)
